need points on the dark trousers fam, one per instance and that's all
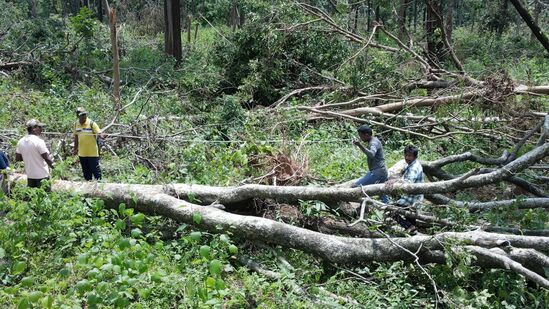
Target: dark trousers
(36, 183)
(90, 167)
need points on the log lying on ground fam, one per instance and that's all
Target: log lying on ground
(475, 206)
(150, 200)
(429, 101)
(233, 195)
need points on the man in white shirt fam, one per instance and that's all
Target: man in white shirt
(32, 150)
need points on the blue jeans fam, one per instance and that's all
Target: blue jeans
(373, 177)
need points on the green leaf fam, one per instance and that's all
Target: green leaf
(2, 253)
(215, 267)
(35, 296)
(205, 252)
(210, 282)
(156, 277)
(27, 281)
(83, 286)
(93, 299)
(120, 224)
(224, 238)
(197, 218)
(136, 233)
(124, 243)
(219, 284)
(121, 208)
(233, 249)
(137, 218)
(195, 236)
(19, 267)
(46, 302)
(83, 258)
(23, 303)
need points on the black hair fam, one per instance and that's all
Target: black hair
(411, 149)
(29, 129)
(364, 129)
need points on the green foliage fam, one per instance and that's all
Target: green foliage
(258, 60)
(84, 23)
(62, 251)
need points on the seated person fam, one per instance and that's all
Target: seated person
(408, 170)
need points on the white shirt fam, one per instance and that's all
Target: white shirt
(31, 148)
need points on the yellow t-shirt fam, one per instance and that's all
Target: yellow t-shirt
(87, 138)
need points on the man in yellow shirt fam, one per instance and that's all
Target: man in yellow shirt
(86, 132)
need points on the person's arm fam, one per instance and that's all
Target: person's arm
(18, 157)
(370, 153)
(44, 152)
(97, 130)
(46, 156)
(75, 148)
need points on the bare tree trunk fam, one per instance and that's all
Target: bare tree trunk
(99, 4)
(355, 18)
(432, 23)
(189, 28)
(369, 14)
(449, 20)
(115, 57)
(402, 18)
(415, 15)
(234, 19)
(33, 9)
(172, 31)
(542, 38)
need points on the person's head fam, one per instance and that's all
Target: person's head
(82, 115)
(365, 133)
(410, 153)
(34, 127)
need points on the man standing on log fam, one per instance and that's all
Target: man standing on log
(87, 136)
(412, 173)
(376, 160)
(32, 150)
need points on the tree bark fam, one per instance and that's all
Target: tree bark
(536, 30)
(172, 31)
(463, 97)
(99, 12)
(432, 23)
(115, 57)
(449, 25)
(358, 251)
(402, 18)
(233, 195)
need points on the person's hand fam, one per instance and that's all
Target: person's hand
(356, 142)
(389, 184)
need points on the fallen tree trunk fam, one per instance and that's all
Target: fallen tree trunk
(232, 195)
(397, 106)
(151, 200)
(475, 206)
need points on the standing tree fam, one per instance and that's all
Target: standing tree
(172, 32)
(433, 27)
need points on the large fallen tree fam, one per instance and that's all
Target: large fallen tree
(523, 254)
